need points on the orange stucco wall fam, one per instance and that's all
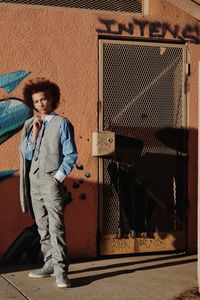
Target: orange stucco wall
(62, 44)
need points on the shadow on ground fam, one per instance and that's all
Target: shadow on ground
(191, 294)
(108, 270)
(77, 282)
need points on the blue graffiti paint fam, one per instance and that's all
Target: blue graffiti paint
(9, 81)
(13, 113)
(5, 174)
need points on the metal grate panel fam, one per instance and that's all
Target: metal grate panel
(134, 6)
(143, 103)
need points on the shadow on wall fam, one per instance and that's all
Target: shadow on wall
(152, 182)
(21, 241)
(18, 235)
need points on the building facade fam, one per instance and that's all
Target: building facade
(128, 74)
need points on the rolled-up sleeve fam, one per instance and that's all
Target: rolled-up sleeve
(69, 151)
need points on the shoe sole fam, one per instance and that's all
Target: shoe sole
(39, 276)
(63, 285)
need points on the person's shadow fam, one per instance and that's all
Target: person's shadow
(153, 263)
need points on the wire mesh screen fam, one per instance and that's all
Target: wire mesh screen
(143, 103)
(134, 6)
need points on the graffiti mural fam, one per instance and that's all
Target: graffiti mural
(5, 174)
(11, 80)
(156, 29)
(13, 111)
(13, 114)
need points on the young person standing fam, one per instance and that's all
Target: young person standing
(47, 155)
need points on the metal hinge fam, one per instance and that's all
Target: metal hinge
(188, 69)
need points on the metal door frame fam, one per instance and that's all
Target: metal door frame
(101, 107)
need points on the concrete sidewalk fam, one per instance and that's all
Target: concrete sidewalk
(155, 277)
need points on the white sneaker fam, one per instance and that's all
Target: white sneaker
(42, 272)
(63, 281)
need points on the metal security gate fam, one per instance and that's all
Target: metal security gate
(143, 187)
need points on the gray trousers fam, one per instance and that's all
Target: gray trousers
(48, 208)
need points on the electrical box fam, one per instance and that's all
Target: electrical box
(103, 143)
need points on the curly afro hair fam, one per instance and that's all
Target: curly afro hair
(40, 84)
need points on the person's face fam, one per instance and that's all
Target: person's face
(42, 103)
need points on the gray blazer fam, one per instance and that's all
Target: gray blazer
(25, 198)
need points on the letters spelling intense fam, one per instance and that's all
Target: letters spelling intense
(189, 33)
